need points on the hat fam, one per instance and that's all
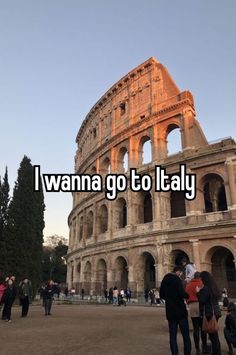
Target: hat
(231, 307)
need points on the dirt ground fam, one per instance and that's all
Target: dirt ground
(87, 330)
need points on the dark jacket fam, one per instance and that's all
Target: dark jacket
(25, 290)
(9, 295)
(230, 324)
(48, 292)
(208, 303)
(173, 293)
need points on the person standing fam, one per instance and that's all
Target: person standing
(189, 269)
(8, 299)
(193, 304)
(230, 327)
(173, 293)
(48, 298)
(25, 295)
(208, 297)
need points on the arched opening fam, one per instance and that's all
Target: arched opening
(106, 167)
(149, 274)
(214, 193)
(101, 277)
(223, 269)
(90, 224)
(120, 214)
(176, 257)
(174, 144)
(177, 204)
(103, 219)
(123, 160)
(87, 277)
(81, 224)
(121, 273)
(93, 170)
(145, 150)
(147, 208)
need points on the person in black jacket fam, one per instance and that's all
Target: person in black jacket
(173, 293)
(48, 293)
(208, 297)
(8, 299)
(230, 327)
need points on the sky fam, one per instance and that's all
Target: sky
(58, 57)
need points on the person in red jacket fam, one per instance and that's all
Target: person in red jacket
(194, 313)
(2, 287)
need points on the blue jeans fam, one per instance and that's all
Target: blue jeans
(184, 329)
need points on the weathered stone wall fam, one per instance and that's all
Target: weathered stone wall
(110, 241)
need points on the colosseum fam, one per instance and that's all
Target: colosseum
(135, 239)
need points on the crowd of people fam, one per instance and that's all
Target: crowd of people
(198, 291)
(9, 290)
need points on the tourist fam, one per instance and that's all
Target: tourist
(173, 293)
(152, 296)
(48, 297)
(2, 287)
(208, 297)
(82, 293)
(189, 269)
(110, 295)
(25, 295)
(8, 299)
(193, 305)
(146, 295)
(66, 292)
(225, 298)
(157, 296)
(105, 292)
(115, 296)
(230, 327)
(128, 294)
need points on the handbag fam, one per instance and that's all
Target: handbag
(210, 326)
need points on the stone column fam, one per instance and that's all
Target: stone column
(196, 253)
(231, 169)
(133, 153)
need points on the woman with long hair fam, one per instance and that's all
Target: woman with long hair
(208, 297)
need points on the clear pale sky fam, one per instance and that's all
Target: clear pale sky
(57, 58)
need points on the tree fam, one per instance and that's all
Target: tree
(54, 265)
(4, 204)
(25, 227)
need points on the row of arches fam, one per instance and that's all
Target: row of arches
(214, 200)
(171, 136)
(219, 261)
(144, 156)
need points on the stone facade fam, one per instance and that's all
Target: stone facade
(137, 238)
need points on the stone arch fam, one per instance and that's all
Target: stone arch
(93, 170)
(220, 261)
(177, 204)
(120, 213)
(105, 166)
(145, 150)
(147, 270)
(121, 272)
(87, 277)
(101, 275)
(89, 224)
(103, 219)
(176, 256)
(173, 139)
(122, 160)
(214, 193)
(145, 207)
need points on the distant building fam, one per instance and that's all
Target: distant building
(134, 240)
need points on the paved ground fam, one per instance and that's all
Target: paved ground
(87, 330)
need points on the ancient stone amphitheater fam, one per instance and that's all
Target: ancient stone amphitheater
(135, 239)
